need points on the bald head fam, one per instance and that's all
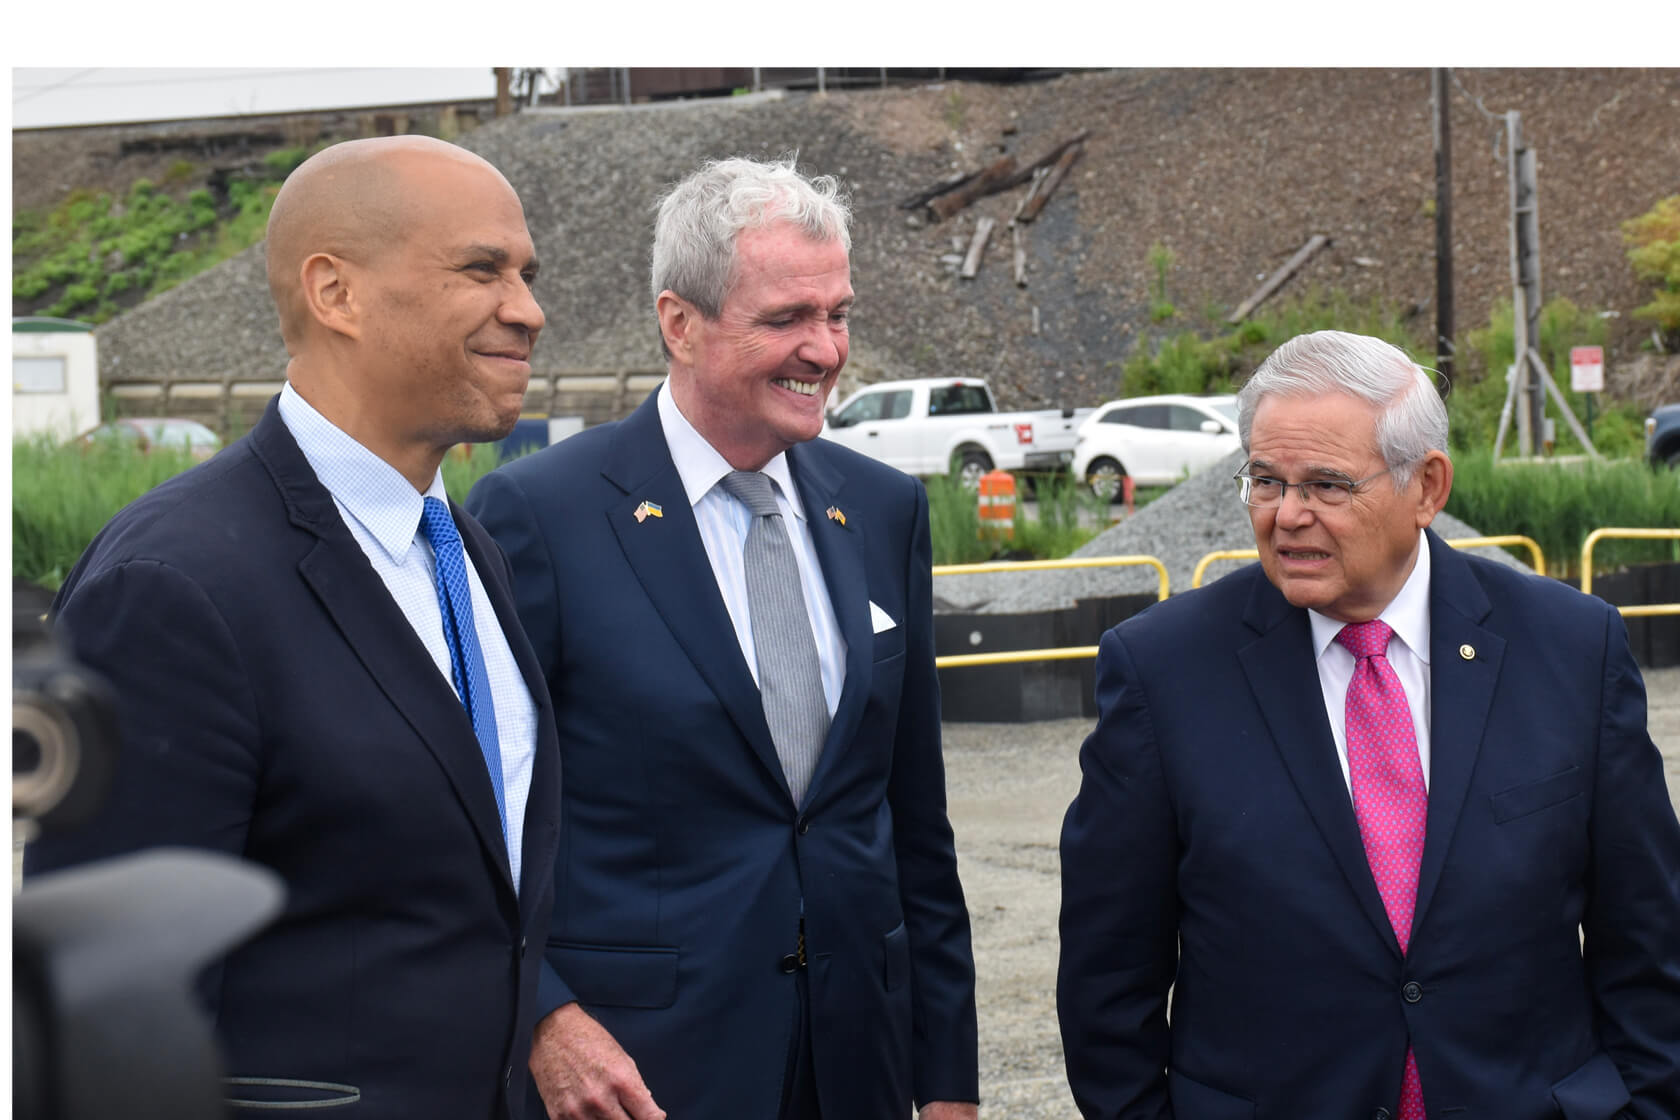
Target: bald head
(352, 200)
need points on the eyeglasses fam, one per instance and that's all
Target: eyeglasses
(1329, 493)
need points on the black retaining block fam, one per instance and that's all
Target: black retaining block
(1656, 639)
(1023, 691)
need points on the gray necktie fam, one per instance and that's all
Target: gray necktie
(789, 674)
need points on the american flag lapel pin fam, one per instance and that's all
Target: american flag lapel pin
(647, 510)
(835, 514)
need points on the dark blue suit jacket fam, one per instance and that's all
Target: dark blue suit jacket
(1213, 849)
(683, 861)
(276, 705)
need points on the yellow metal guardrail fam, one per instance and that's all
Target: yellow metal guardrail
(1065, 653)
(1456, 542)
(1071, 653)
(1642, 610)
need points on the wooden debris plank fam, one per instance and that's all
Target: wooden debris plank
(1038, 177)
(947, 204)
(1275, 281)
(917, 201)
(1020, 256)
(1044, 161)
(971, 263)
(1057, 174)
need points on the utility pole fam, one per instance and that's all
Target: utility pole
(1529, 378)
(1444, 329)
(504, 90)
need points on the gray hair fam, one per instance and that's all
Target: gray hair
(1412, 420)
(701, 217)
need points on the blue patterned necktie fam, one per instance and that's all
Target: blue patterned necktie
(466, 660)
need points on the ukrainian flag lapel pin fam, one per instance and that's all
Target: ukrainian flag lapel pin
(835, 514)
(647, 510)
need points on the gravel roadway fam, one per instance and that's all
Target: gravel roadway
(1009, 785)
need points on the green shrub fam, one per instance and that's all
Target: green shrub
(1479, 391)
(1558, 504)
(954, 523)
(62, 494)
(465, 464)
(1056, 531)
(1653, 241)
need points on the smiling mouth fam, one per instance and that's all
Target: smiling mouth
(1307, 554)
(803, 388)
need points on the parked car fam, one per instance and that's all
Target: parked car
(1662, 436)
(148, 432)
(1154, 440)
(934, 425)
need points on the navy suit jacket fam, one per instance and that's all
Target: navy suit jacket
(682, 861)
(1213, 849)
(277, 706)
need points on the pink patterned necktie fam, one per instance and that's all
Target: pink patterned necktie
(1388, 794)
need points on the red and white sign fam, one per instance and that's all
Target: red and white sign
(1023, 433)
(1586, 369)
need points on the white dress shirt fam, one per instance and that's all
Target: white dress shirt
(1408, 654)
(382, 510)
(724, 520)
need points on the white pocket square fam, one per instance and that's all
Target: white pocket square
(879, 620)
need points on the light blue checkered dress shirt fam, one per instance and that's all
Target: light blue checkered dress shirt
(382, 510)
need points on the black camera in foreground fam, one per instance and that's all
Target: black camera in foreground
(104, 957)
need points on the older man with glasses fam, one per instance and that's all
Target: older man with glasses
(1384, 819)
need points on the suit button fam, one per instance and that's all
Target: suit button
(804, 825)
(1412, 992)
(1380, 1114)
(522, 946)
(790, 964)
(507, 1077)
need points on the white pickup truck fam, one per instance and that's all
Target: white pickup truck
(934, 425)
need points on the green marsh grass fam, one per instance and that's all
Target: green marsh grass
(1558, 504)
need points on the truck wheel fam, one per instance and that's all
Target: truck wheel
(1103, 476)
(971, 466)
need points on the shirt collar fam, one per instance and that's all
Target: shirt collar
(367, 487)
(1407, 614)
(701, 467)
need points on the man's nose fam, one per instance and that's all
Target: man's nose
(521, 308)
(820, 346)
(1293, 508)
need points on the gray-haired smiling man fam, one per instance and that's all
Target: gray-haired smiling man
(759, 913)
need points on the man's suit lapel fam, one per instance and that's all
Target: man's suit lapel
(1461, 693)
(361, 607)
(840, 546)
(670, 562)
(1281, 671)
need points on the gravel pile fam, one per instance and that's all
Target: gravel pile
(1198, 516)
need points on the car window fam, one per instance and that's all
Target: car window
(1139, 415)
(953, 400)
(866, 407)
(1227, 409)
(897, 405)
(1187, 419)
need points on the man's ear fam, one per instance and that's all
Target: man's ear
(329, 295)
(1435, 474)
(677, 322)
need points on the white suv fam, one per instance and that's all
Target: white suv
(1155, 440)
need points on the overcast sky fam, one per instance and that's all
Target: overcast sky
(45, 97)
